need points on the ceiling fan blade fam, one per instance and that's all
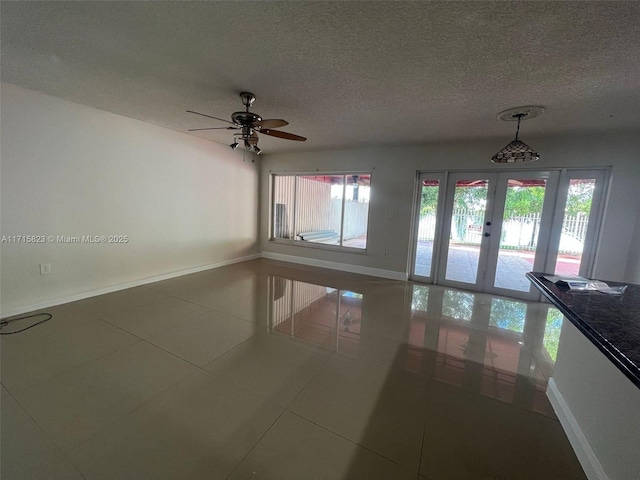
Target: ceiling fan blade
(271, 123)
(285, 135)
(209, 116)
(212, 128)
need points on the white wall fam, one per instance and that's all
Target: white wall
(68, 169)
(394, 180)
(598, 406)
(633, 272)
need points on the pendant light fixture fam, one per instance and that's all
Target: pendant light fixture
(517, 151)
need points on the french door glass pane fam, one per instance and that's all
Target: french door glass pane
(469, 202)
(426, 227)
(574, 225)
(519, 236)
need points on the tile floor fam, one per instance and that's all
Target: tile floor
(272, 371)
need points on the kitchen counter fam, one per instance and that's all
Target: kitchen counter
(610, 322)
(595, 385)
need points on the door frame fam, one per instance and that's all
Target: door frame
(543, 240)
(433, 273)
(602, 177)
(492, 178)
(550, 227)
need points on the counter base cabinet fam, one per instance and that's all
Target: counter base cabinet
(598, 407)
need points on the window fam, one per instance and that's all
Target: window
(324, 209)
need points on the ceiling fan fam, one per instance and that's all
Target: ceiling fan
(249, 125)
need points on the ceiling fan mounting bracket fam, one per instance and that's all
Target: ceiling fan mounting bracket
(247, 99)
(524, 113)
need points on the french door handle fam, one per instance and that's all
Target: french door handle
(487, 234)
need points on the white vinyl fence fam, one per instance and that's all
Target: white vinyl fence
(518, 233)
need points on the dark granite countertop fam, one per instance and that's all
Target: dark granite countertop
(610, 322)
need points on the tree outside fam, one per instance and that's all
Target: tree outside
(520, 200)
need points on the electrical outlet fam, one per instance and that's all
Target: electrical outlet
(391, 214)
(45, 268)
(385, 254)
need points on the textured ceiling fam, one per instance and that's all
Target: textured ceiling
(342, 73)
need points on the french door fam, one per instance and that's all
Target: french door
(492, 227)
(483, 230)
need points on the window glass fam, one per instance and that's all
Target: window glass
(574, 225)
(426, 226)
(283, 189)
(356, 211)
(319, 209)
(329, 209)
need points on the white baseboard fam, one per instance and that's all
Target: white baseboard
(114, 288)
(586, 456)
(376, 272)
(343, 267)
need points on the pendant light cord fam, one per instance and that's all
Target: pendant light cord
(520, 115)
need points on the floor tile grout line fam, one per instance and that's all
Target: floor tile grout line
(208, 310)
(350, 441)
(79, 365)
(120, 328)
(105, 307)
(203, 368)
(147, 341)
(178, 297)
(252, 392)
(424, 431)
(61, 453)
(120, 418)
(229, 351)
(315, 373)
(175, 355)
(256, 444)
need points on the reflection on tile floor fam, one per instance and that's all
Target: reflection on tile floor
(266, 370)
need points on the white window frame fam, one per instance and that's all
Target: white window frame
(318, 245)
